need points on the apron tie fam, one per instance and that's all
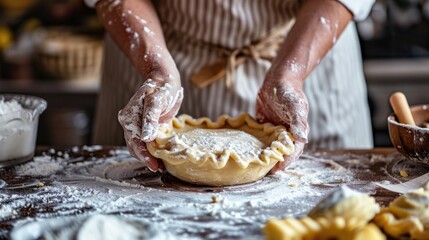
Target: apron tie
(224, 67)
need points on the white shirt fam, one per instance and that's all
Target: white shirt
(359, 8)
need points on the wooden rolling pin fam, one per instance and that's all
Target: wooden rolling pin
(400, 106)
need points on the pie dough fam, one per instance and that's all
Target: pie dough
(407, 216)
(321, 229)
(342, 214)
(348, 204)
(228, 151)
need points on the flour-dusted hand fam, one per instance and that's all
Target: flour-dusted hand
(157, 101)
(284, 103)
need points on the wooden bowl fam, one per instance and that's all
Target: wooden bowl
(411, 141)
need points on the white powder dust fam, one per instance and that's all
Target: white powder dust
(89, 227)
(121, 185)
(324, 21)
(40, 166)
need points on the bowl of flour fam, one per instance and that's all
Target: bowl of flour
(19, 118)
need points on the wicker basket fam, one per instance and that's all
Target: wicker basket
(67, 55)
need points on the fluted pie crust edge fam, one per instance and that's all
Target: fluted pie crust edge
(229, 166)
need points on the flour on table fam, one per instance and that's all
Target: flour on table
(119, 185)
(40, 166)
(97, 227)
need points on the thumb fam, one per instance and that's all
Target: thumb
(299, 148)
(151, 113)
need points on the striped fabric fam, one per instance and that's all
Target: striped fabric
(336, 90)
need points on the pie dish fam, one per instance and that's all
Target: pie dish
(228, 151)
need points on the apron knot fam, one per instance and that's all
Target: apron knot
(225, 67)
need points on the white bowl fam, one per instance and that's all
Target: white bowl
(18, 128)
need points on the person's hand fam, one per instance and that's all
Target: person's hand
(281, 101)
(157, 101)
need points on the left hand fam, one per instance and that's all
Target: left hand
(156, 101)
(282, 101)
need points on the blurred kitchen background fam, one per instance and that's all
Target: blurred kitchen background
(53, 49)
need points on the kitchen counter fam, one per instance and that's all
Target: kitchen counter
(60, 183)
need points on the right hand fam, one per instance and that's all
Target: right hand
(282, 101)
(157, 101)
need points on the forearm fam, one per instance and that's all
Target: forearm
(318, 24)
(136, 29)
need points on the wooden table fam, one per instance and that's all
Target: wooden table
(106, 180)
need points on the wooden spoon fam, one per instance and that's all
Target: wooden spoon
(400, 106)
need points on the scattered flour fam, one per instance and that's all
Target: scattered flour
(92, 148)
(95, 226)
(121, 185)
(40, 166)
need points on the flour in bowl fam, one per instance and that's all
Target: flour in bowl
(17, 134)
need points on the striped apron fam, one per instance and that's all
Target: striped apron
(336, 90)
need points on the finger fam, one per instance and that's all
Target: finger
(130, 144)
(131, 123)
(138, 149)
(299, 129)
(151, 162)
(280, 166)
(130, 116)
(261, 115)
(299, 148)
(174, 109)
(298, 122)
(153, 165)
(141, 153)
(169, 115)
(131, 151)
(151, 114)
(161, 166)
